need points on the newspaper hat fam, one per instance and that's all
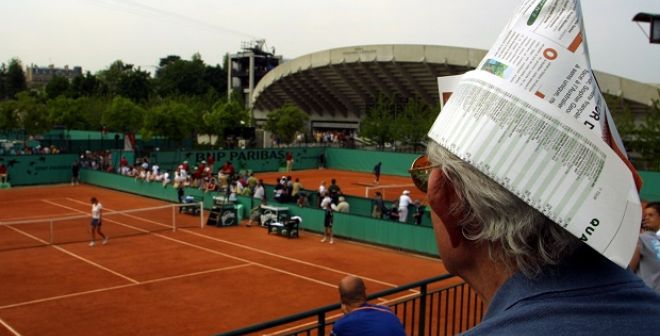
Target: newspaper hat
(532, 118)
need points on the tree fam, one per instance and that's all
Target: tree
(15, 78)
(286, 121)
(57, 86)
(66, 112)
(123, 80)
(413, 123)
(86, 85)
(3, 82)
(123, 116)
(169, 119)
(181, 77)
(641, 138)
(8, 116)
(226, 116)
(32, 114)
(378, 124)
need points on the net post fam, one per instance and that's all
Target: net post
(201, 215)
(173, 219)
(50, 234)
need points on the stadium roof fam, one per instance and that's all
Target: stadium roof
(337, 86)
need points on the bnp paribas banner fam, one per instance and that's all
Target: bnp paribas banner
(261, 159)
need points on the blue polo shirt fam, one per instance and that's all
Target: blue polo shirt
(369, 320)
(588, 295)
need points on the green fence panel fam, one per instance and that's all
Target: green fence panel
(365, 160)
(393, 234)
(651, 188)
(38, 169)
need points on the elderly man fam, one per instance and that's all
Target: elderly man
(535, 277)
(534, 203)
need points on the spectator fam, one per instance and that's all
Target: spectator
(3, 173)
(523, 264)
(326, 205)
(646, 259)
(210, 161)
(342, 206)
(378, 206)
(255, 213)
(334, 190)
(296, 188)
(259, 191)
(393, 214)
(212, 185)
(362, 318)
(252, 181)
(123, 166)
(419, 212)
(404, 202)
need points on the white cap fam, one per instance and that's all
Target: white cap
(406, 192)
(532, 118)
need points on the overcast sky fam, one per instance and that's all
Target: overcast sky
(94, 33)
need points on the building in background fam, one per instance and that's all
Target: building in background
(36, 76)
(247, 67)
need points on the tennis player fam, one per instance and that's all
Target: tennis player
(97, 209)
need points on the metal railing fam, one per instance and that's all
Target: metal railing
(441, 305)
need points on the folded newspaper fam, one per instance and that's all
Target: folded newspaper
(532, 118)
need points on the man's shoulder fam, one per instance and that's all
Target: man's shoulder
(621, 308)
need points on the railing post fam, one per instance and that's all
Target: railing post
(321, 323)
(422, 310)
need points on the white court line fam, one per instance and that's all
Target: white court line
(36, 218)
(73, 255)
(258, 250)
(9, 327)
(207, 249)
(100, 290)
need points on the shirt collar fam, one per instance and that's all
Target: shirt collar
(584, 269)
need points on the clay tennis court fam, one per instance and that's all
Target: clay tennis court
(151, 280)
(351, 183)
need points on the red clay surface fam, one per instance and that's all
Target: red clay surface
(190, 282)
(351, 183)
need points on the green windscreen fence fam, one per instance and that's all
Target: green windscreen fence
(408, 237)
(38, 169)
(365, 160)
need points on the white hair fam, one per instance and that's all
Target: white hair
(519, 235)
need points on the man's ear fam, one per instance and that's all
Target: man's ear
(443, 199)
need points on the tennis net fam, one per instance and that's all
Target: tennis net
(115, 224)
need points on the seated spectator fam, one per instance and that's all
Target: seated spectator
(165, 178)
(362, 318)
(212, 185)
(418, 213)
(342, 206)
(302, 200)
(646, 258)
(394, 212)
(259, 191)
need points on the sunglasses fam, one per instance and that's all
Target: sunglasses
(420, 171)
